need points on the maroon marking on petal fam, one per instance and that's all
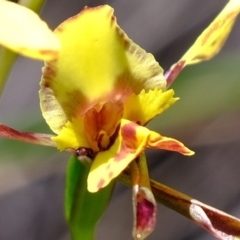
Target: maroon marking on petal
(221, 222)
(49, 71)
(59, 29)
(129, 141)
(121, 154)
(174, 146)
(110, 175)
(145, 213)
(49, 52)
(46, 85)
(11, 133)
(128, 132)
(108, 166)
(171, 74)
(100, 183)
(123, 85)
(35, 138)
(113, 19)
(218, 25)
(169, 145)
(86, 8)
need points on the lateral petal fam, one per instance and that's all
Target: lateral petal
(210, 42)
(35, 138)
(24, 32)
(156, 141)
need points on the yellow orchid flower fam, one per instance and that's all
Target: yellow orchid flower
(22, 31)
(103, 89)
(101, 92)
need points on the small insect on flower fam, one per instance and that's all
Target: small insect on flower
(85, 155)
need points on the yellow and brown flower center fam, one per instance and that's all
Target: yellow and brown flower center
(101, 123)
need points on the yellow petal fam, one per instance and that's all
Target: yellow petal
(156, 141)
(24, 32)
(214, 36)
(145, 106)
(210, 42)
(52, 110)
(146, 73)
(131, 141)
(98, 62)
(72, 135)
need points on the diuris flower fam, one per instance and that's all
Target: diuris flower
(101, 92)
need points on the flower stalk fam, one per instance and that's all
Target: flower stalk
(82, 208)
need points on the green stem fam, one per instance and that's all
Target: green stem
(7, 59)
(79, 233)
(143, 170)
(75, 194)
(82, 208)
